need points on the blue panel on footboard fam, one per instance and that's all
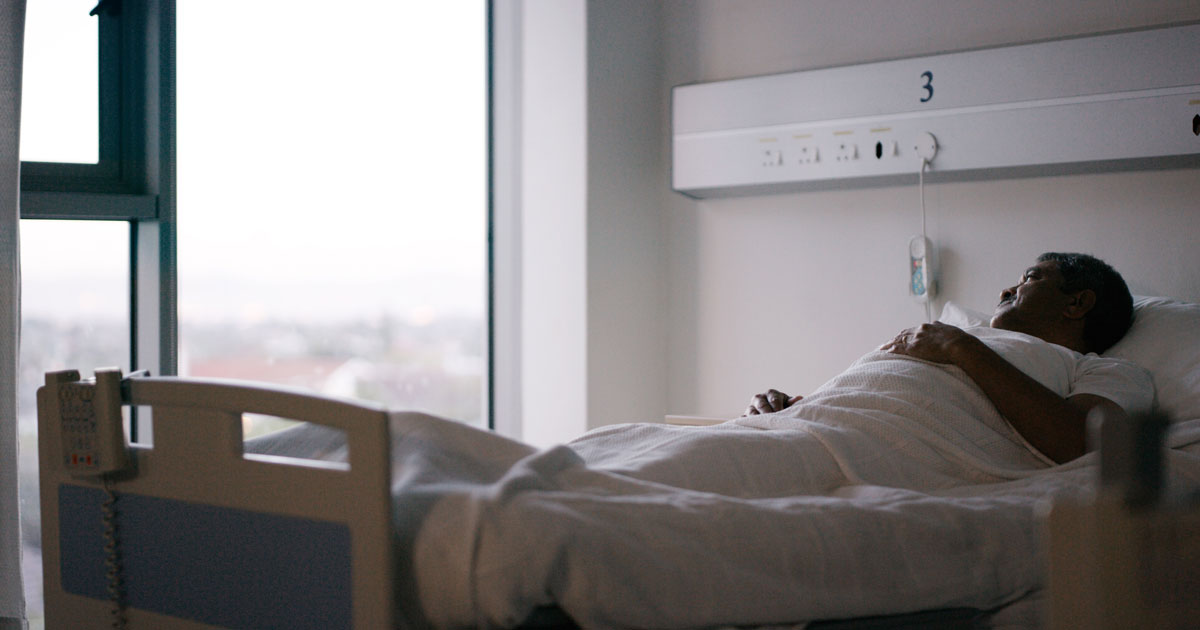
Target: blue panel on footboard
(225, 567)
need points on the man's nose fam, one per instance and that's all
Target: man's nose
(1007, 293)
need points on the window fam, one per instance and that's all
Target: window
(59, 121)
(74, 313)
(333, 199)
(332, 190)
(97, 213)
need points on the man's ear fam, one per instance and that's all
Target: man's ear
(1081, 304)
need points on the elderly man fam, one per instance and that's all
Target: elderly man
(908, 481)
(1037, 363)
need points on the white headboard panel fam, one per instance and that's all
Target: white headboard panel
(1113, 101)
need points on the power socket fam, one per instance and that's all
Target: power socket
(846, 151)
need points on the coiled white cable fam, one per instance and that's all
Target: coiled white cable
(112, 556)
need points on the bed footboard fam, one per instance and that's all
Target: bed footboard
(196, 533)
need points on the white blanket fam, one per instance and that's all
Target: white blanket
(896, 487)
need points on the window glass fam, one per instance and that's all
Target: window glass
(60, 109)
(332, 198)
(74, 315)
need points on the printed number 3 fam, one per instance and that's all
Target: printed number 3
(928, 87)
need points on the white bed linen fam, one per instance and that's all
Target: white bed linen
(894, 488)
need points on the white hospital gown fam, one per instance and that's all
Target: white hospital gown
(1069, 373)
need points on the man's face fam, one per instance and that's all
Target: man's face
(1034, 302)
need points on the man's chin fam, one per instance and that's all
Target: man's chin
(999, 317)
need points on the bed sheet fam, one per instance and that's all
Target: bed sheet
(895, 488)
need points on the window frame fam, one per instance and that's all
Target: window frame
(134, 179)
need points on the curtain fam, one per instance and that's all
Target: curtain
(12, 35)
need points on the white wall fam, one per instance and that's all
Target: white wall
(626, 249)
(636, 301)
(553, 215)
(784, 291)
(590, 250)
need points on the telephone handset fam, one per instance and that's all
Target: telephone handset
(93, 438)
(93, 444)
(920, 275)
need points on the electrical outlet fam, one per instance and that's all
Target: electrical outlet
(808, 154)
(845, 151)
(772, 157)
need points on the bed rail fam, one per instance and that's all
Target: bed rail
(205, 534)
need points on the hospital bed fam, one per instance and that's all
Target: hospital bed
(202, 529)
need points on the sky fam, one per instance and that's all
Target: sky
(330, 163)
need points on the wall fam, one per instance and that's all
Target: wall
(580, 306)
(553, 216)
(784, 291)
(626, 249)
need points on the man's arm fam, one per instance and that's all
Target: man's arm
(1054, 425)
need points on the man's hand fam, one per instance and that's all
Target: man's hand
(770, 401)
(936, 342)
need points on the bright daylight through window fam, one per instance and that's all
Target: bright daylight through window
(74, 298)
(332, 199)
(60, 85)
(74, 314)
(331, 208)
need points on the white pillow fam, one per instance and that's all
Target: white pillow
(1165, 339)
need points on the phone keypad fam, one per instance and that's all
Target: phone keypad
(78, 426)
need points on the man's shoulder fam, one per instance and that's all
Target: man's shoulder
(1122, 381)
(1094, 362)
